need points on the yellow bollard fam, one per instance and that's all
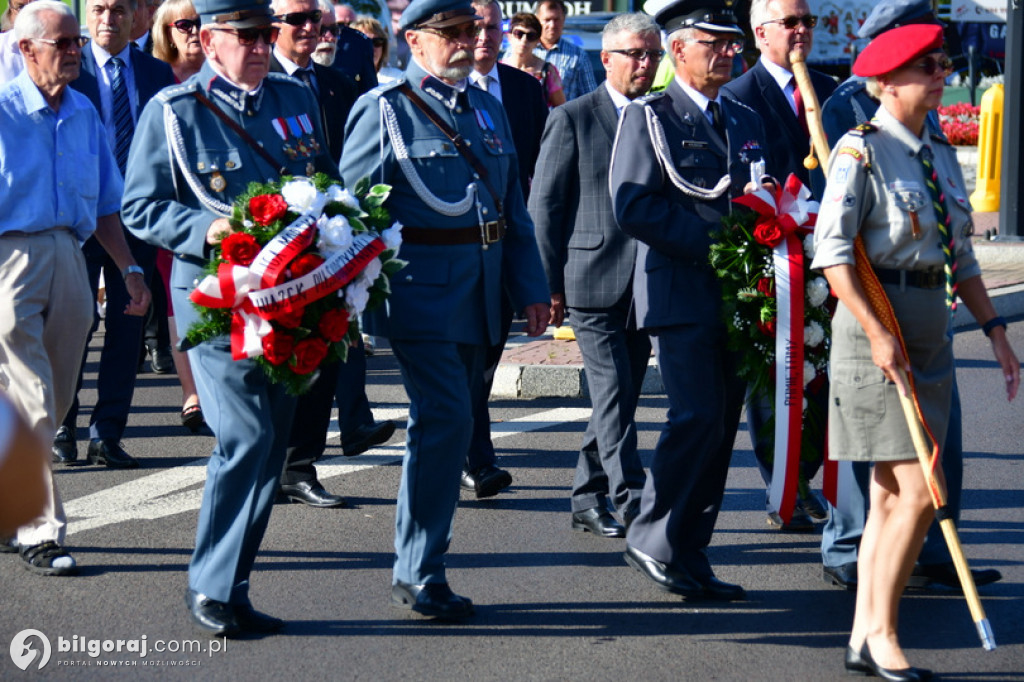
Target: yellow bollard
(985, 198)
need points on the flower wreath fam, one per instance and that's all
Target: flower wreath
(306, 259)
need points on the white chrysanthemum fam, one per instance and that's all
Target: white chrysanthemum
(817, 291)
(809, 246)
(371, 272)
(302, 196)
(357, 295)
(813, 334)
(342, 196)
(809, 372)
(393, 237)
(335, 234)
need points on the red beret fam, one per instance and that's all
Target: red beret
(897, 47)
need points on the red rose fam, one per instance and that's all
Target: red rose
(239, 248)
(266, 208)
(766, 286)
(291, 320)
(308, 354)
(767, 328)
(334, 325)
(768, 232)
(305, 264)
(278, 347)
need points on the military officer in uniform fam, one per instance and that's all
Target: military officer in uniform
(466, 234)
(679, 158)
(187, 165)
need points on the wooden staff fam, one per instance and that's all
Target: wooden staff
(919, 431)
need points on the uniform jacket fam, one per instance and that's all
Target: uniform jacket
(673, 283)
(789, 144)
(354, 58)
(446, 293)
(151, 76)
(337, 95)
(523, 99)
(172, 206)
(586, 256)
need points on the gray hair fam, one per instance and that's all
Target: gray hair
(486, 3)
(758, 13)
(326, 7)
(29, 25)
(633, 23)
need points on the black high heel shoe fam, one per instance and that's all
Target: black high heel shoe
(891, 675)
(854, 664)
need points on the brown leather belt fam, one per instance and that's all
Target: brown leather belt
(922, 279)
(488, 233)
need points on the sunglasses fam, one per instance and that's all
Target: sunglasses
(722, 45)
(63, 44)
(248, 36)
(300, 18)
(791, 22)
(929, 65)
(639, 55)
(331, 30)
(186, 26)
(528, 36)
(453, 33)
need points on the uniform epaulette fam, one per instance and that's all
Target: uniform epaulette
(650, 97)
(279, 77)
(940, 138)
(175, 91)
(385, 87)
(862, 129)
(741, 105)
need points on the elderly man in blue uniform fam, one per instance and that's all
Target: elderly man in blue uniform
(187, 165)
(66, 188)
(849, 106)
(466, 234)
(678, 160)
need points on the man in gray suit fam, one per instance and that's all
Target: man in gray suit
(679, 158)
(589, 264)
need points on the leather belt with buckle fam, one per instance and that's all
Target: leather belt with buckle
(922, 279)
(486, 233)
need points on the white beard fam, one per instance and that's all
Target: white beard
(325, 57)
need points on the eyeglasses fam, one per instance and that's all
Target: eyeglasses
(63, 44)
(791, 22)
(453, 33)
(929, 65)
(300, 18)
(186, 26)
(722, 45)
(331, 29)
(639, 55)
(528, 36)
(247, 36)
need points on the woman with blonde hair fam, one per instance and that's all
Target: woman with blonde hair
(373, 29)
(176, 38)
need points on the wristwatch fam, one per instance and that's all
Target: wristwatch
(132, 269)
(996, 321)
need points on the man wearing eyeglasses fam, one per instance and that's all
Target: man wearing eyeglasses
(781, 27)
(679, 159)
(589, 265)
(327, 48)
(188, 164)
(119, 81)
(466, 235)
(66, 189)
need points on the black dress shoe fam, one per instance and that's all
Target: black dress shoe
(487, 481)
(719, 590)
(925, 575)
(160, 360)
(366, 436)
(311, 493)
(665, 577)
(251, 620)
(215, 618)
(854, 664)
(109, 452)
(813, 506)
(844, 576)
(599, 522)
(890, 674)
(65, 449)
(432, 599)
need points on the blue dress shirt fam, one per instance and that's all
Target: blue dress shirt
(56, 168)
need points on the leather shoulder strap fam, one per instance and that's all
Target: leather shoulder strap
(205, 101)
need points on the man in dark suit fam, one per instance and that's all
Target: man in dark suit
(522, 97)
(769, 88)
(669, 190)
(589, 264)
(335, 93)
(354, 54)
(119, 80)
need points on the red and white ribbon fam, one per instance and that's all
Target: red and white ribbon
(230, 288)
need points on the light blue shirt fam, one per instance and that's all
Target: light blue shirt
(56, 168)
(104, 72)
(573, 65)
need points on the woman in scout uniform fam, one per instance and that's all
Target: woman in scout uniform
(900, 189)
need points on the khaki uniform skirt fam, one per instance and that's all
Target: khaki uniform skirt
(866, 420)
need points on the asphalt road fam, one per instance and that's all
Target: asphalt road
(552, 604)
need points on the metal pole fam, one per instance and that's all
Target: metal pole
(1011, 187)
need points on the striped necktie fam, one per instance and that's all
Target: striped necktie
(124, 126)
(946, 243)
